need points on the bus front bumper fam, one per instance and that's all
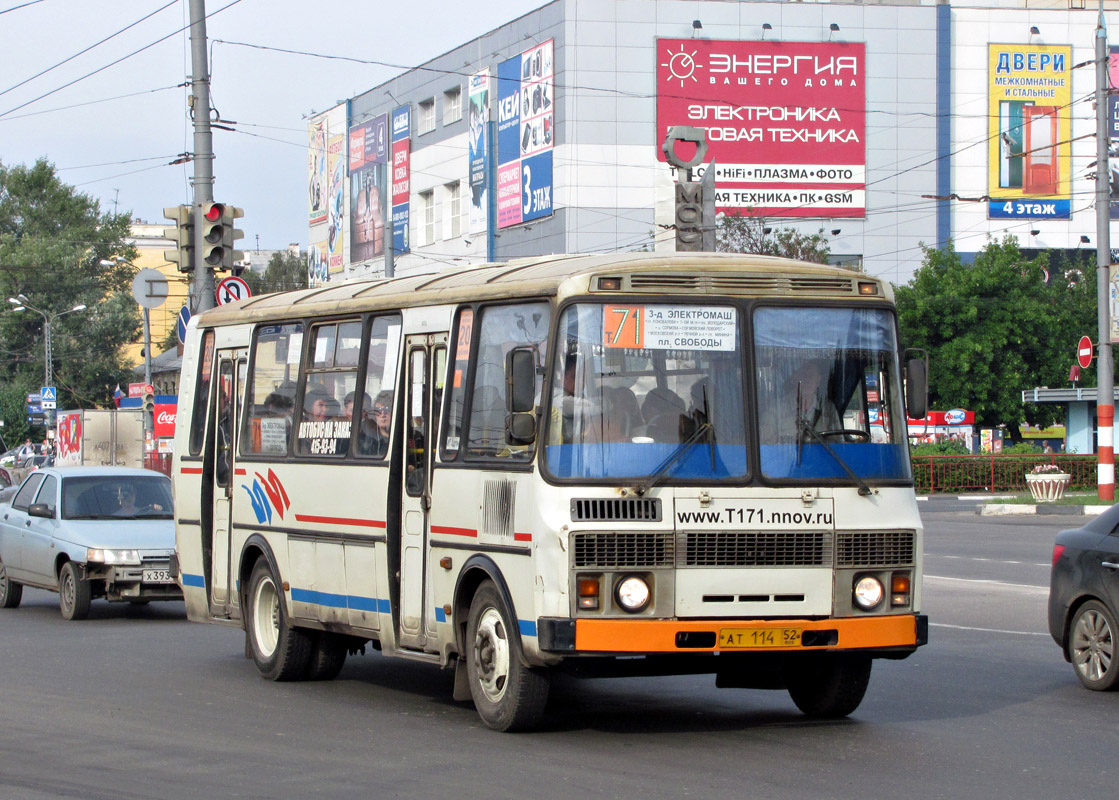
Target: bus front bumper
(898, 634)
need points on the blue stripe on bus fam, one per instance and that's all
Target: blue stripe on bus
(194, 580)
(440, 615)
(355, 602)
(527, 626)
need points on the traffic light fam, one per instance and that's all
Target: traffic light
(182, 235)
(149, 402)
(689, 217)
(218, 235)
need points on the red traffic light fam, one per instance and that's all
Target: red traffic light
(214, 211)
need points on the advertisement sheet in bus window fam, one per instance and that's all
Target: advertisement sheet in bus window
(785, 121)
(666, 327)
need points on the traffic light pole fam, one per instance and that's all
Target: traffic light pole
(1105, 397)
(202, 286)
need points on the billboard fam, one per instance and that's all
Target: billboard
(785, 121)
(525, 135)
(478, 156)
(401, 181)
(1029, 164)
(368, 152)
(316, 170)
(1113, 139)
(336, 201)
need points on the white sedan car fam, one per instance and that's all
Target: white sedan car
(88, 532)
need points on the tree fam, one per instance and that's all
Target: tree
(995, 327)
(285, 272)
(735, 233)
(53, 242)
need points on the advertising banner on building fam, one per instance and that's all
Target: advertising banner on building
(479, 156)
(336, 200)
(1113, 139)
(1029, 126)
(525, 135)
(401, 182)
(368, 153)
(785, 121)
(318, 257)
(316, 170)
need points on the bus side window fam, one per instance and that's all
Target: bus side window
(271, 389)
(202, 394)
(372, 409)
(460, 355)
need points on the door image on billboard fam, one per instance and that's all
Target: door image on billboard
(1011, 144)
(1041, 175)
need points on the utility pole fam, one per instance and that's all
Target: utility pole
(1105, 395)
(202, 286)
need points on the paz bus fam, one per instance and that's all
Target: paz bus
(624, 464)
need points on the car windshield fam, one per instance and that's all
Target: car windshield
(829, 394)
(116, 497)
(634, 385)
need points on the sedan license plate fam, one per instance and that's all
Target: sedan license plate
(759, 637)
(158, 576)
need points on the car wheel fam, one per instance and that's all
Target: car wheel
(328, 656)
(73, 593)
(281, 652)
(508, 695)
(10, 591)
(827, 685)
(1091, 646)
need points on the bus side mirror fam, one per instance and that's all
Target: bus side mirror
(520, 428)
(520, 380)
(917, 385)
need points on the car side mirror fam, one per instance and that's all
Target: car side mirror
(520, 428)
(520, 380)
(40, 510)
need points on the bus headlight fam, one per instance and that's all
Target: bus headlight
(868, 592)
(632, 593)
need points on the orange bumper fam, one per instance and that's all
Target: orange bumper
(690, 636)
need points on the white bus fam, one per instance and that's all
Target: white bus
(609, 465)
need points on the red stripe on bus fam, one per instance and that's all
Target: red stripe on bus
(522, 537)
(239, 472)
(454, 531)
(358, 523)
(191, 470)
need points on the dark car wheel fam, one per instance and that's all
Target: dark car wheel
(10, 591)
(74, 593)
(828, 685)
(281, 652)
(1091, 646)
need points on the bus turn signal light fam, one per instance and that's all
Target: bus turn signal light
(588, 594)
(899, 589)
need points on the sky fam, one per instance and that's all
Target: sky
(111, 129)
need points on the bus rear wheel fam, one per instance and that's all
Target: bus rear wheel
(507, 694)
(281, 652)
(828, 685)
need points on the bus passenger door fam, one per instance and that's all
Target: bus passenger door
(226, 410)
(420, 418)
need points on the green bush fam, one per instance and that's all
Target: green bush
(947, 447)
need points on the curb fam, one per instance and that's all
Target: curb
(1009, 509)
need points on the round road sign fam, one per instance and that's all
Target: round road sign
(1084, 352)
(232, 289)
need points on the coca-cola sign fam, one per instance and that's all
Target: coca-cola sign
(165, 420)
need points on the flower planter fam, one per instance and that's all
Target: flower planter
(1047, 487)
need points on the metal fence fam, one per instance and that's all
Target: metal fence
(995, 473)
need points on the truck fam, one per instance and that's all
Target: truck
(100, 437)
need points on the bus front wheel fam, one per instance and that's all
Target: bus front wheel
(281, 652)
(508, 695)
(828, 685)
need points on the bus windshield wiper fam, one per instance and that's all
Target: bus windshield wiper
(676, 455)
(805, 430)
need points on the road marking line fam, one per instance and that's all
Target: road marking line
(976, 558)
(984, 630)
(990, 582)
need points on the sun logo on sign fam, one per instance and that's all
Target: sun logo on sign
(682, 65)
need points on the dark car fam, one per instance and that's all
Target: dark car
(1084, 599)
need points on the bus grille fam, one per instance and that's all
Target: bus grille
(613, 549)
(616, 509)
(743, 284)
(755, 549)
(875, 549)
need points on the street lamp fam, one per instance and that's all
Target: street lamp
(20, 303)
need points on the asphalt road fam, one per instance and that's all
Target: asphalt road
(140, 703)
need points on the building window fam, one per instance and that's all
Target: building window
(452, 222)
(425, 122)
(427, 217)
(452, 105)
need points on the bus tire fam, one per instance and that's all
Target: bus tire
(328, 655)
(10, 591)
(507, 694)
(281, 652)
(828, 685)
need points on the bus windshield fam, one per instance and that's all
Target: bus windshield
(633, 385)
(829, 394)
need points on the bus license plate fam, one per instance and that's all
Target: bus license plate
(158, 576)
(759, 637)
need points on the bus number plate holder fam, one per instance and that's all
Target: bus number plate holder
(730, 638)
